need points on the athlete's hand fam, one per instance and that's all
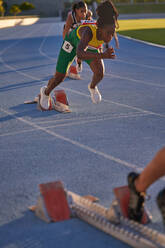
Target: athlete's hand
(109, 53)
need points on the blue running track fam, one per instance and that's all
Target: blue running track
(91, 149)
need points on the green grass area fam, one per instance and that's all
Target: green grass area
(151, 30)
(140, 8)
(151, 35)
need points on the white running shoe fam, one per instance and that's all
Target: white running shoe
(79, 67)
(43, 99)
(95, 94)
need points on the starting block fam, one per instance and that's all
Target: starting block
(72, 73)
(52, 204)
(58, 204)
(61, 97)
(58, 101)
(122, 195)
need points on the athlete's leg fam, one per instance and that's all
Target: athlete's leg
(139, 183)
(46, 90)
(54, 82)
(97, 66)
(65, 57)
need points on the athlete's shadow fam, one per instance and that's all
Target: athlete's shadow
(19, 232)
(19, 85)
(31, 110)
(27, 110)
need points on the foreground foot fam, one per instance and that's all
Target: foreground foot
(136, 201)
(161, 203)
(43, 99)
(95, 94)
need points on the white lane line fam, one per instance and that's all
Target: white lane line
(116, 103)
(28, 35)
(140, 65)
(17, 132)
(130, 79)
(73, 122)
(73, 142)
(86, 117)
(42, 44)
(95, 120)
(142, 41)
(135, 80)
(76, 143)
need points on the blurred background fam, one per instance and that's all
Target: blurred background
(60, 8)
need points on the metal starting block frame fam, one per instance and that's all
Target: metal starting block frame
(109, 220)
(112, 222)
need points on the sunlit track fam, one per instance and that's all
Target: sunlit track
(91, 150)
(81, 93)
(73, 122)
(42, 44)
(132, 80)
(140, 65)
(14, 43)
(52, 133)
(91, 117)
(73, 142)
(135, 80)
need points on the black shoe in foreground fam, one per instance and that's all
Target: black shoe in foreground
(136, 201)
(161, 203)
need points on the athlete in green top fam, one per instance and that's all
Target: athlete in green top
(85, 42)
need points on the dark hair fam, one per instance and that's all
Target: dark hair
(78, 5)
(107, 14)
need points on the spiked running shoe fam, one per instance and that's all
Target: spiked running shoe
(136, 201)
(161, 203)
(43, 99)
(95, 94)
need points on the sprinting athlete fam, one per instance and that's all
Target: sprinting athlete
(79, 12)
(85, 41)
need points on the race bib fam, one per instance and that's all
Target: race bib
(67, 47)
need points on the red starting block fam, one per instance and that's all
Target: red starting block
(122, 195)
(72, 73)
(52, 204)
(60, 96)
(59, 102)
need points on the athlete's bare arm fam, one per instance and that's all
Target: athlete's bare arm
(68, 24)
